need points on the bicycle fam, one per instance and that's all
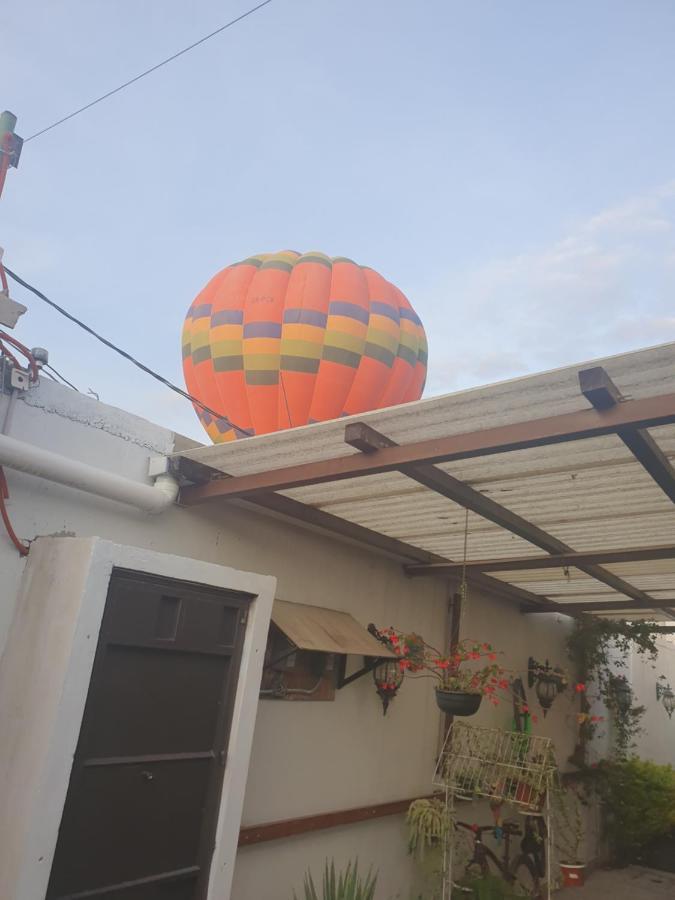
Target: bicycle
(525, 872)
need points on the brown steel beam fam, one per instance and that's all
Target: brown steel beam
(361, 435)
(588, 423)
(358, 534)
(272, 831)
(603, 394)
(576, 609)
(318, 518)
(554, 561)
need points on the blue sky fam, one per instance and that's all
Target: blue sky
(509, 166)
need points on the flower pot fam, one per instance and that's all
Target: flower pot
(529, 796)
(573, 874)
(458, 703)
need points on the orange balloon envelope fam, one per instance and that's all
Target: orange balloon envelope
(283, 339)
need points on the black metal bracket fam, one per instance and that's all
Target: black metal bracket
(280, 659)
(369, 663)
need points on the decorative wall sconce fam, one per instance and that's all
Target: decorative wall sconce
(665, 694)
(388, 677)
(547, 681)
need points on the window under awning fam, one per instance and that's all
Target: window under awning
(325, 630)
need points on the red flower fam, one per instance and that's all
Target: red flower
(526, 709)
(492, 656)
(580, 687)
(443, 663)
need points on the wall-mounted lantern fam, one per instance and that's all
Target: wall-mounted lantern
(665, 694)
(388, 678)
(622, 692)
(547, 681)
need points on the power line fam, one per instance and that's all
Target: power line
(128, 356)
(149, 71)
(59, 375)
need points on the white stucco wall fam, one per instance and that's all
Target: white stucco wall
(657, 740)
(307, 758)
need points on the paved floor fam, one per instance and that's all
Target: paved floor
(632, 883)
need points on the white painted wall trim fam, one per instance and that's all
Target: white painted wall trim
(44, 679)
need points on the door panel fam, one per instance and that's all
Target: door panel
(175, 712)
(140, 812)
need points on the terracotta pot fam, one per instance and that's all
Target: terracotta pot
(573, 874)
(458, 703)
(529, 796)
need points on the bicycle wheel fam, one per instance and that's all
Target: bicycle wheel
(526, 881)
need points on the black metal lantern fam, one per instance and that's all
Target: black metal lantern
(665, 694)
(388, 677)
(547, 682)
(622, 692)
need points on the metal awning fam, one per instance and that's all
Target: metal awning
(573, 467)
(325, 630)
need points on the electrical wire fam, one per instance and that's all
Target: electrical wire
(58, 375)
(32, 364)
(127, 356)
(4, 515)
(149, 71)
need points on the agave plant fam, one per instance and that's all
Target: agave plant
(347, 885)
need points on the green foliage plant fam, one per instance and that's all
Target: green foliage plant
(598, 647)
(639, 803)
(428, 826)
(347, 885)
(569, 824)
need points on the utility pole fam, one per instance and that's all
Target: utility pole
(10, 146)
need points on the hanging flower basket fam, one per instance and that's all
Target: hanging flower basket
(458, 703)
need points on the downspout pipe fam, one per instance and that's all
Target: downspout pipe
(53, 467)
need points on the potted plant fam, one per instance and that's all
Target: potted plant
(527, 787)
(428, 826)
(347, 885)
(569, 835)
(461, 685)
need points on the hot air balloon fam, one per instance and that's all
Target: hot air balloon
(284, 339)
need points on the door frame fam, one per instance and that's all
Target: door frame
(44, 680)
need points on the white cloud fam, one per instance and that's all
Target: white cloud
(606, 286)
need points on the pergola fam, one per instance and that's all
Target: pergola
(567, 478)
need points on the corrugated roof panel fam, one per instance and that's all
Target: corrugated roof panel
(591, 494)
(639, 374)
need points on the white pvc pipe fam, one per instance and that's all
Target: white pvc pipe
(45, 464)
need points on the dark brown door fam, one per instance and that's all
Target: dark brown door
(139, 818)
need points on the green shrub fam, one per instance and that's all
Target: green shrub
(639, 803)
(348, 885)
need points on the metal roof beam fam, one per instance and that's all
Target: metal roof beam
(360, 435)
(577, 609)
(554, 561)
(603, 394)
(314, 518)
(588, 423)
